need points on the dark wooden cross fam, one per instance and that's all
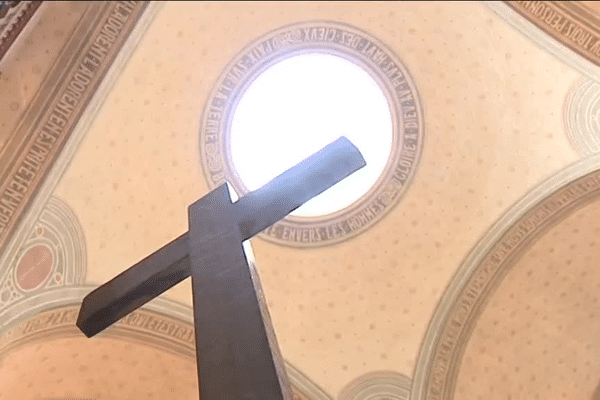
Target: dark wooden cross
(237, 353)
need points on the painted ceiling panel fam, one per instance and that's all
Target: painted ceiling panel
(494, 131)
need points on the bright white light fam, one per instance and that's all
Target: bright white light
(300, 105)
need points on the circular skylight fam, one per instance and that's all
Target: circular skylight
(300, 105)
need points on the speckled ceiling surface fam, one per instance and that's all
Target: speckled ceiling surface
(494, 115)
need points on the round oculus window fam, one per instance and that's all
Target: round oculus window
(297, 107)
(293, 91)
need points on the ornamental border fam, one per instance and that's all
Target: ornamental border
(543, 35)
(164, 324)
(569, 23)
(482, 271)
(357, 46)
(63, 233)
(46, 129)
(383, 384)
(580, 116)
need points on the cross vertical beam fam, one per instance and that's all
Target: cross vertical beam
(237, 353)
(237, 358)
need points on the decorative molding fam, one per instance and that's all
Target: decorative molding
(162, 323)
(58, 106)
(484, 268)
(59, 231)
(582, 116)
(568, 22)
(386, 69)
(377, 385)
(113, 64)
(519, 15)
(18, 14)
(303, 387)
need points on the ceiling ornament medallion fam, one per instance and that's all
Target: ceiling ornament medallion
(51, 255)
(582, 116)
(35, 267)
(350, 43)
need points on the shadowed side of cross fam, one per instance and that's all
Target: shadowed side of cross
(238, 356)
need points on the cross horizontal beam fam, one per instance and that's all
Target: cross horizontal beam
(255, 212)
(135, 286)
(236, 349)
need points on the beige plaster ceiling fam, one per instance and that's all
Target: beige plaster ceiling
(68, 368)
(493, 105)
(536, 336)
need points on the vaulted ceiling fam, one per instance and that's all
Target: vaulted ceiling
(478, 280)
